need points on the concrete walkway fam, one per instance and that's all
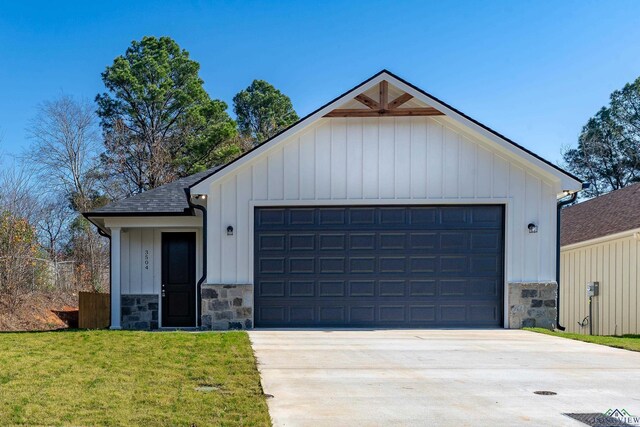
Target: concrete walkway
(440, 377)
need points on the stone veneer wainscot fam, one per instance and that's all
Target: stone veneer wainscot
(532, 305)
(139, 312)
(227, 306)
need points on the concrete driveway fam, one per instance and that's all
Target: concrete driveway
(440, 377)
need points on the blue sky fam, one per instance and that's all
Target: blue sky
(532, 70)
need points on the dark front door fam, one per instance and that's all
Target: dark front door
(382, 266)
(178, 279)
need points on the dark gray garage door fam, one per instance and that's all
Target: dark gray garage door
(378, 266)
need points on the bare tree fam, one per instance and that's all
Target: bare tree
(63, 155)
(52, 221)
(64, 150)
(18, 192)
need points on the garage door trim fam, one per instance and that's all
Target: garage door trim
(497, 228)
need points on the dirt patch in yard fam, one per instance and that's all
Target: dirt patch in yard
(40, 311)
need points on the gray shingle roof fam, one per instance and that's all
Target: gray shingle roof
(169, 199)
(612, 213)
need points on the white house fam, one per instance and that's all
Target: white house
(385, 207)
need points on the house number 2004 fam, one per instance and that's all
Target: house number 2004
(146, 259)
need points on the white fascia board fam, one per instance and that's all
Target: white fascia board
(153, 221)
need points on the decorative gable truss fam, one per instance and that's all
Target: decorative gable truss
(400, 106)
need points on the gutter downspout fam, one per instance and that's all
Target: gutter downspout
(204, 253)
(561, 204)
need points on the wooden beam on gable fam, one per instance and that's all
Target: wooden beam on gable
(399, 101)
(398, 112)
(364, 99)
(383, 107)
(384, 94)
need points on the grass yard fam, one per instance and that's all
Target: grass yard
(129, 378)
(627, 342)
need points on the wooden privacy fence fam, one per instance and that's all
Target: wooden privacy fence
(93, 310)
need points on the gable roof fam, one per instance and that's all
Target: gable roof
(167, 200)
(170, 199)
(612, 213)
(570, 181)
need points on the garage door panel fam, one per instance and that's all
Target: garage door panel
(271, 289)
(362, 241)
(392, 313)
(486, 215)
(302, 265)
(453, 216)
(331, 314)
(331, 265)
(422, 313)
(484, 265)
(454, 241)
(271, 217)
(362, 314)
(302, 288)
(422, 288)
(392, 216)
(482, 313)
(423, 240)
(362, 288)
(453, 313)
(419, 266)
(451, 288)
(485, 241)
(362, 265)
(391, 288)
(331, 288)
(362, 216)
(487, 287)
(457, 265)
(332, 241)
(271, 265)
(302, 314)
(392, 241)
(272, 242)
(272, 314)
(332, 216)
(423, 216)
(302, 216)
(302, 242)
(390, 264)
(422, 264)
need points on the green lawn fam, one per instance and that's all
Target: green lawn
(627, 342)
(129, 378)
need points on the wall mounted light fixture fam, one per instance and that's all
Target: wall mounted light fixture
(532, 228)
(229, 231)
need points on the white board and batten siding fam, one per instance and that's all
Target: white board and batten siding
(403, 160)
(612, 262)
(140, 258)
